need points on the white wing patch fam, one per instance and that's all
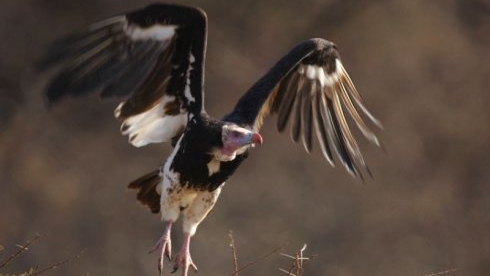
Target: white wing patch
(156, 32)
(313, 72)
(152, 126)
(187, 91)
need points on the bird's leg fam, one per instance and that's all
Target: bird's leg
(164, 244)
(193, 216)
(183, 259)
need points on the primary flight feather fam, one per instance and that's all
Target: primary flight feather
(153, 59)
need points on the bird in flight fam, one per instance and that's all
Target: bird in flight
(152, 59)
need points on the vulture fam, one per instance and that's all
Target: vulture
(153, 59)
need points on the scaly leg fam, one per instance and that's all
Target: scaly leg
(164, 244)
(170, 210)
(193, 215)
(183, 258)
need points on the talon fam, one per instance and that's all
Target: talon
(160, 266)
(183, 260)
(164, 244)
(157, 245)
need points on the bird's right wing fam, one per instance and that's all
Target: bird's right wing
(152, 58)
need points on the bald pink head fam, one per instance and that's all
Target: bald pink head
(236, 140)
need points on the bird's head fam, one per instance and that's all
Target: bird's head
(236, 140)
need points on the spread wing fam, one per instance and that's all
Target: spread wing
(310, 87)
(152, 58)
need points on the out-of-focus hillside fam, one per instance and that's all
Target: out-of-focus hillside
(422, 66)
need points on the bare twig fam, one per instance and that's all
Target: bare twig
(58, 264)
(22, 249)
(288, 272)
(441, 272)
(298, 262)
(233, 251)
(257, 261)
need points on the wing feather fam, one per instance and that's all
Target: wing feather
(346, 80)
(321, 131)
(348, 139)
(75, 45)
(296, 126)
(311, 85)
(356, 116)
(280, 93)
(129, 73)
(306, 116)
(153, 58)
(287, 102)
(338, 139)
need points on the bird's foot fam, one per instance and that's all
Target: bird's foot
(164, 245)
(183, 261)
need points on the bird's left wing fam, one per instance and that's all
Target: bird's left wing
(152, 58)
(311, 86)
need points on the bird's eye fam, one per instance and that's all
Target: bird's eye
(236, 134)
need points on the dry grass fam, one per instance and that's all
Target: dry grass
(235, 258)
(448, 271)
(295, 269)
(32, 271)
(298, 260)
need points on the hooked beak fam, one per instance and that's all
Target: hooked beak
(249, 139)
(256, 139)
(252, 139)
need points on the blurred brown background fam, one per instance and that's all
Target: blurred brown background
(423, 68)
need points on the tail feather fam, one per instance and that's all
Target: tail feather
(148, 190)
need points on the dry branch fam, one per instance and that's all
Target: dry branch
(34, 271)
(235, 259)
(442, 272)
(296, 268)
(233, 252)
(23, 248)
(58, 264)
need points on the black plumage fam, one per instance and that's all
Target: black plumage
(193, 155)
(153, 59)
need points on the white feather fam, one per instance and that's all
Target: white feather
(156, 32)
(176, 198)
(170, 159)
(316, 72)
(330, 79)
(140, 120)
(301, 69)
(321, 76)
(187, 90)
(158, 130)
(187, 93)
(199, 209)
(213, 166)
(117, 111)
(311, 72)
(171, 196)
(153, 125)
